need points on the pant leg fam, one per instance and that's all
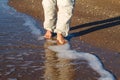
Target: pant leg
(65, 13)
(50, 15)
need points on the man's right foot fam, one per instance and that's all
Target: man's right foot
(48, 34)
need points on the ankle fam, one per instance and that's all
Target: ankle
(59, 35)
(48, 31)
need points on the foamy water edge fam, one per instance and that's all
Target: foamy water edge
(29, 21)
(94, 62)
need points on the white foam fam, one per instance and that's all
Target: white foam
(93, 61)
(41, 38)
(32, 25)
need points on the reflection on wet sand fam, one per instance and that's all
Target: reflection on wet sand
(57, 68)
(64, 64)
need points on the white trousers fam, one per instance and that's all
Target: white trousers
(58, 15)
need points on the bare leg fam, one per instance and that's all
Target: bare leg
(61, 39)
(48, 34)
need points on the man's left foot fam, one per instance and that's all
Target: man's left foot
(61, 39)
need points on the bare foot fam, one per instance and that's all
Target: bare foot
(60, 39)
(48, 34)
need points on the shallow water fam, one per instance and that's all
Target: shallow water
(25, 55)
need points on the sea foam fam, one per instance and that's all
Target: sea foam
(94, 62)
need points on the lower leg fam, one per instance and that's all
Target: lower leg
(65, 13)
(50, 15)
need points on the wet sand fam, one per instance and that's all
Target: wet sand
(95, 22)
(26, 58)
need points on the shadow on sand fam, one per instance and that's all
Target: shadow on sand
(94, 26)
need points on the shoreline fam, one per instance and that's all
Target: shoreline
(93, 30)
(106, 37)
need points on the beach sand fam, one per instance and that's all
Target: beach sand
(94, 23)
